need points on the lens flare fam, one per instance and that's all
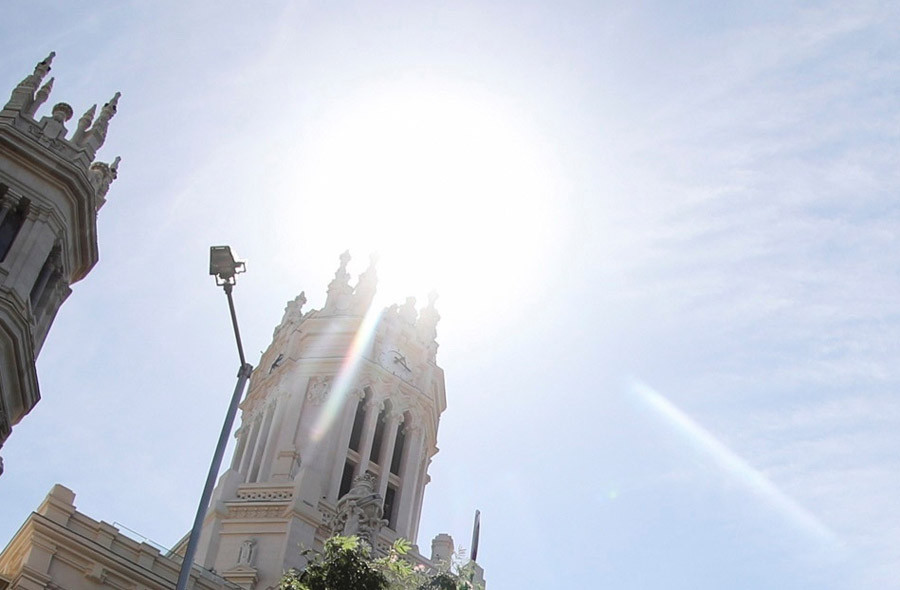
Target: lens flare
(346, 375)
(705, 443)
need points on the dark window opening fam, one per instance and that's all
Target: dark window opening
(378, 438)
(358, 421)
(46, 280)
(10, 225)
(346, 479)
(399, 446)
(390, 497)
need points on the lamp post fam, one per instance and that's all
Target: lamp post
(223, 266)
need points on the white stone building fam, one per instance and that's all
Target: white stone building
(50, 191)
(339, 426)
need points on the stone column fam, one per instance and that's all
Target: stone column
(271, 448)
(415, 436)
(368, 434)
(387, 453)
(6, 205)
(423, 481)
(250, 447)
(239, 448)
(337, 470)
(260, 445)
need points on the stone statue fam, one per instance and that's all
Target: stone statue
(360, 511)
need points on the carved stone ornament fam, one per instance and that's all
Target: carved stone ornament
(318, 389)
(246, 553)
(360, 511)
(293, 313)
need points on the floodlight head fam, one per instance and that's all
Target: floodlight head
(223, 266)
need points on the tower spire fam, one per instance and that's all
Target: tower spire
(366, 286)
(93, 138)
(22, 95)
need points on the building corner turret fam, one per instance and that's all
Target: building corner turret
(50, 191)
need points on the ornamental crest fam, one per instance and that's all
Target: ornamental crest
(318, 389)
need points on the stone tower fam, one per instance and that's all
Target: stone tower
(50, 191)
(338, 428)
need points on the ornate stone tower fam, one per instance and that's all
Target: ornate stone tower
(50, 191)
(338, 428)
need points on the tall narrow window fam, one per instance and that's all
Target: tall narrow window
(378, 438)
(397, 457)
(10, 226)
(358, 421)
(390, 497)
(49, 274)
(346, 479)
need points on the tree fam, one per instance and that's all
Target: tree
(346, 563)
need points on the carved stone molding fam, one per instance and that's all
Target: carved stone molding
(256, 511)
(265, 495)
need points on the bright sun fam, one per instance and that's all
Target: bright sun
(451, 190)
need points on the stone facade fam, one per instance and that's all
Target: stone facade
(59, 548)
(50, 191)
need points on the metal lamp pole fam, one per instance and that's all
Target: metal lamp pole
(223, 266)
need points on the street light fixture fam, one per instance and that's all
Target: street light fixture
(223, 267)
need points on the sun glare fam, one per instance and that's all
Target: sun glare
(448, 187)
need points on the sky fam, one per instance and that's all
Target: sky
(665, 236)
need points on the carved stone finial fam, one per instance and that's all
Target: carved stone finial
(339, 289)
(96, 135)
(366, 287)
(54, 126)
(408, 311)
(293, 313)
(44, 66)
(83, 123)
(62, 112)
(40, 98)
(426, 327)
(22, 96)
(91, 136)
(102, 175)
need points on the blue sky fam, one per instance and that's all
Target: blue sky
(665, 237)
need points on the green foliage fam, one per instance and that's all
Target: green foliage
(346, 564)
